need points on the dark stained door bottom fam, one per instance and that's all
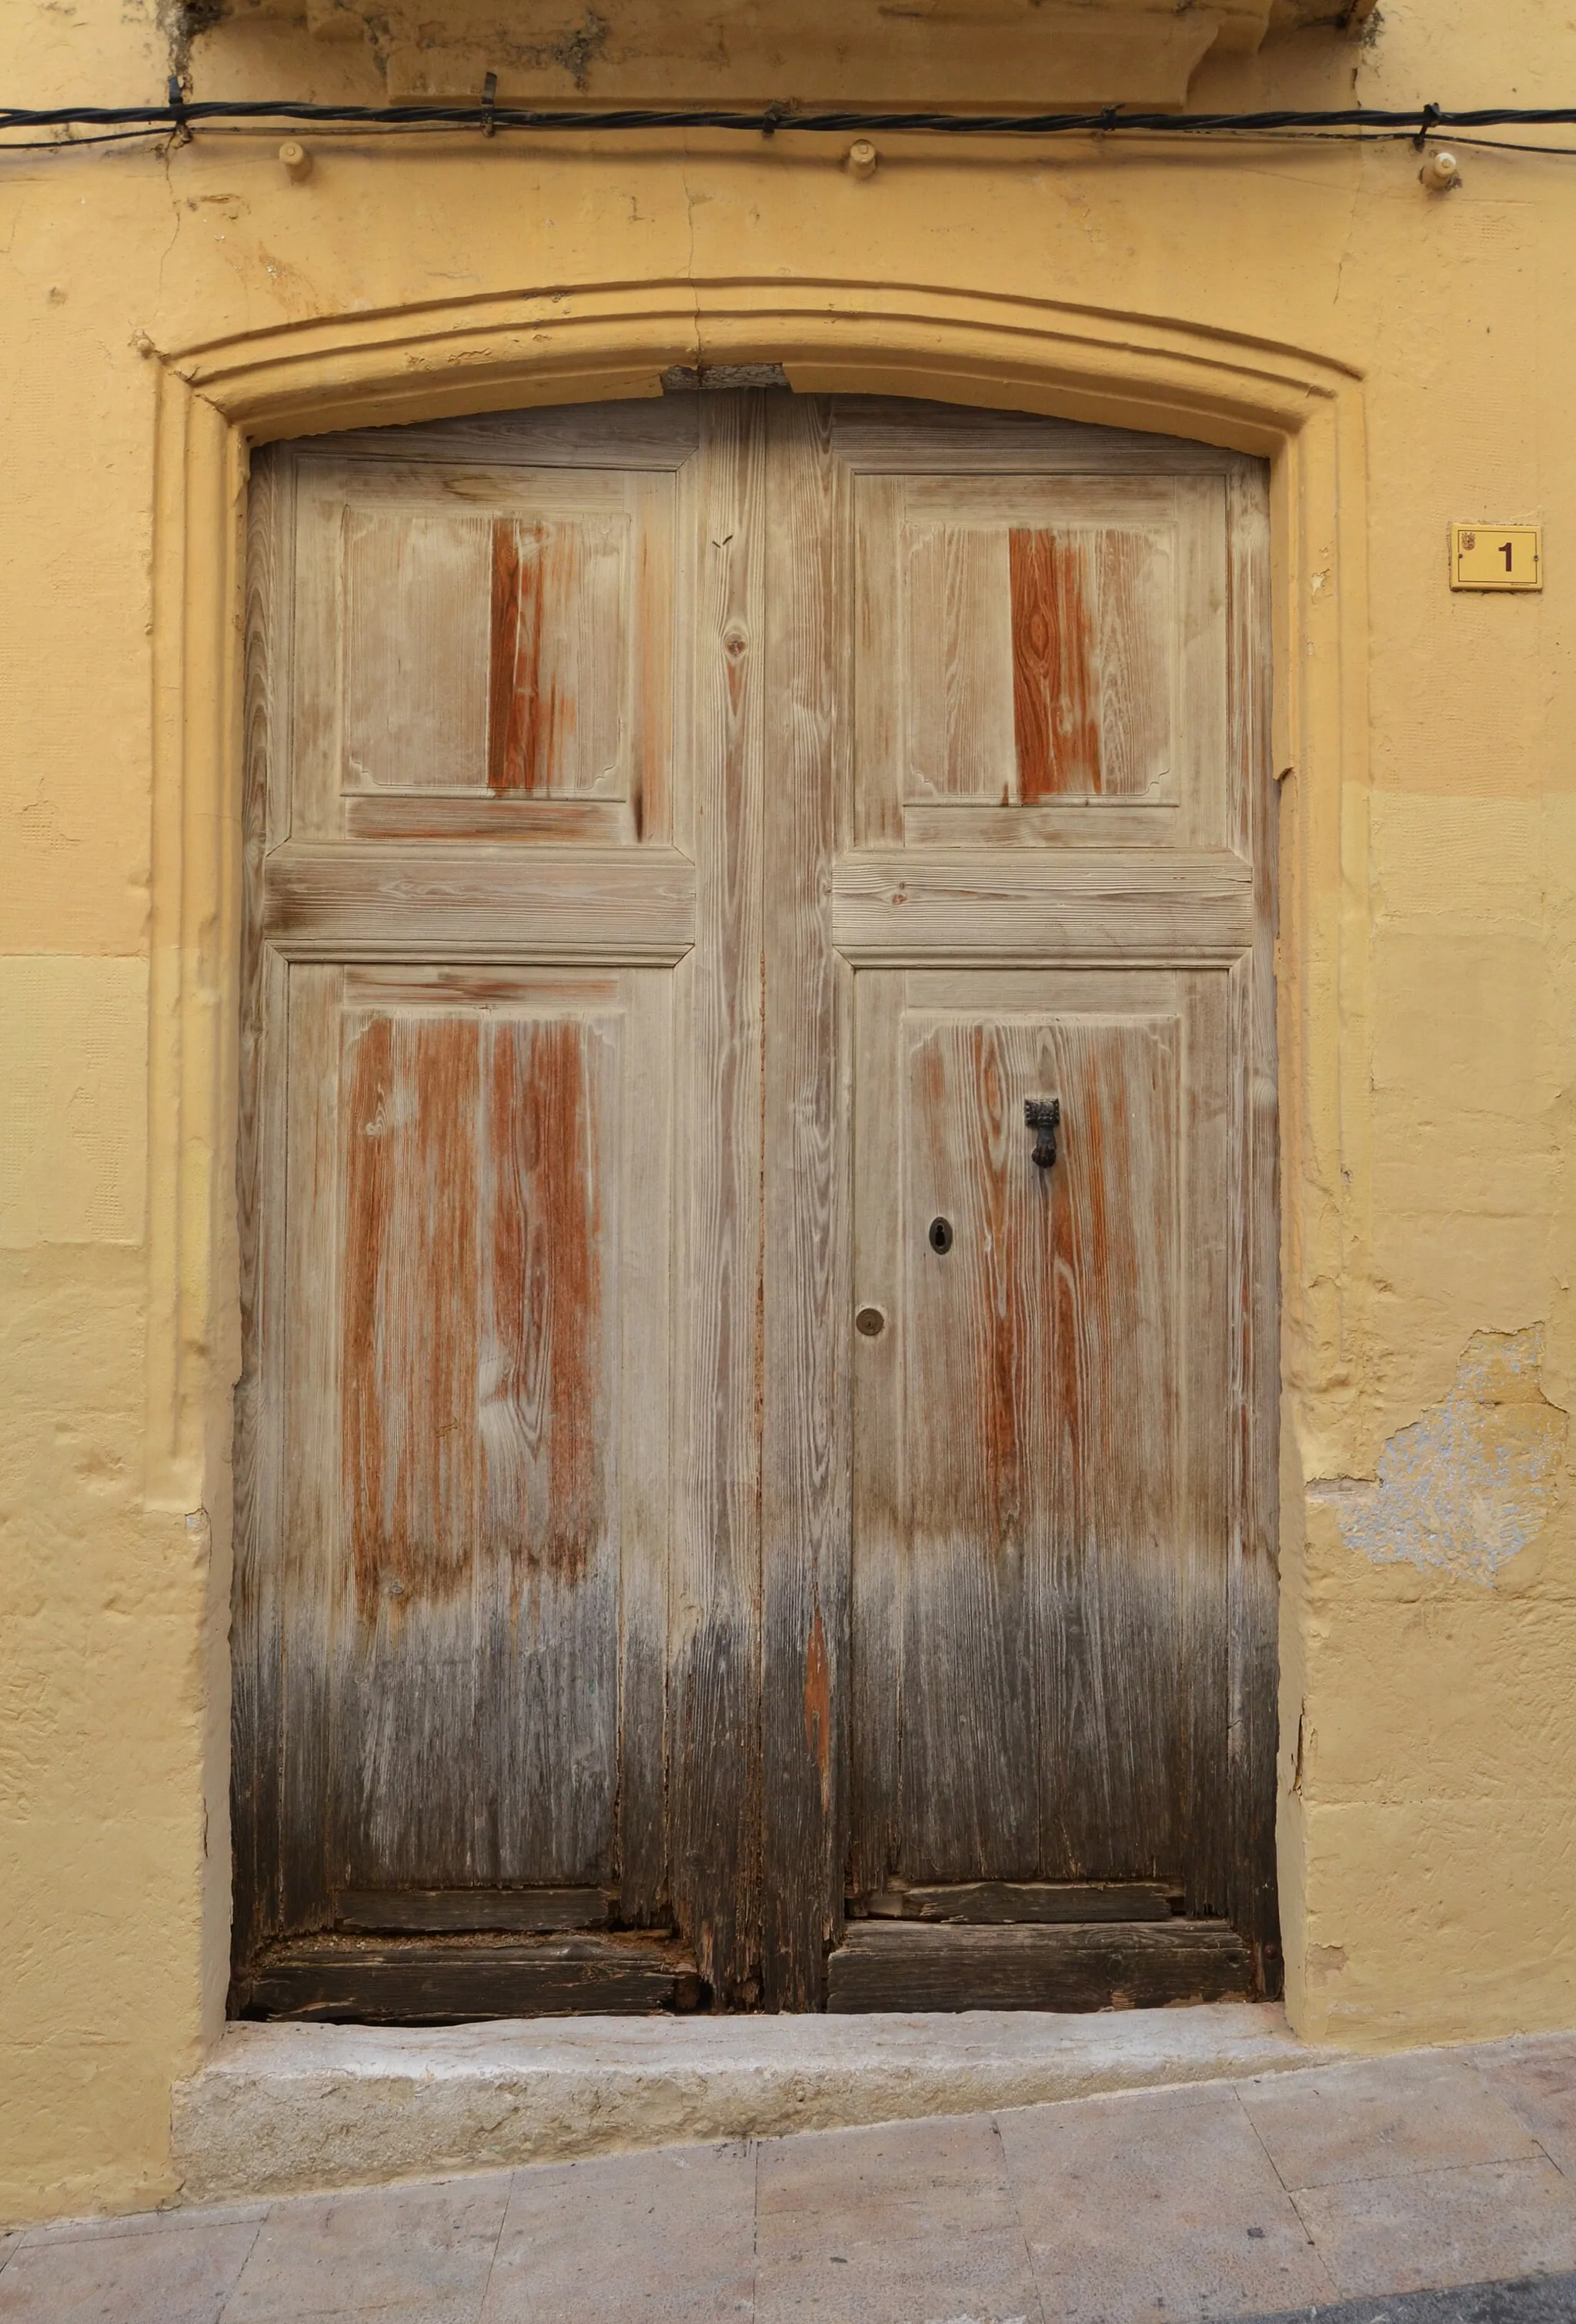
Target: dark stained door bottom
(912, 1964)
(439, 1980)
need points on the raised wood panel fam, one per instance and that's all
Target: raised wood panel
(1044, 1522)
(1038, 1595)
(478, 1400)
(462, 1324)
(1039, 662)
(558, 669)
(414, 654)
(476, 634)
(1038, 654)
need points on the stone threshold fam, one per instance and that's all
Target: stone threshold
(288, 2108)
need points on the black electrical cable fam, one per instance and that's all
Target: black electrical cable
(181, 117)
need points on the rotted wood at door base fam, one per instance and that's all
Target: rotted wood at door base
(678, 840)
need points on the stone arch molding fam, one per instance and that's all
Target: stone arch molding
(1299, 410)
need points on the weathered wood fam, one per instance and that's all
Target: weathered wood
(1251, 1890)
(413, 1982)
(558, 697)
(475, 1671)
(1007, 1904)
(1130, 907)
(312, 1569)
(805, 1448)
(1041, 1723)
(1029, 644)
(466, 1187)
(678, 838)
(371, 1911)
(1140, 1964)
(647, 433)
(715, 1671)
(257, 1736)
(879, 1691)
(1044, 1517)
(434, 815)
(900, 436)
(501, 629)
(449, 901)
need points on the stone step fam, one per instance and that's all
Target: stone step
(280, 2108)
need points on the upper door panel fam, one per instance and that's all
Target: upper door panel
(1041, 648)
(487, 637)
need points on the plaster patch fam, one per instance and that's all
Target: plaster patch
(73, 1131)
(1465, 1487)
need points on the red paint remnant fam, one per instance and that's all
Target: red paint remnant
(818, 1704)
(1003, 1326)
(1055, 684)
(408, 1429)
(545, 1484)
(533, 570)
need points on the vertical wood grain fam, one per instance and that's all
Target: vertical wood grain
(645, 1435)
(807, 1329)
(876, 1680)
(1040, 1452)
(544, 1539)
(714, 1750)
(1253, 1900)
(476, 1699)
(1091, 662)
(874, 813)
(255, 1633)
(315, 1578)
(548, 1551)
(557, 707)
(957, 623)
(415, 648)
(1055, 705)
(412, 1305)
(1212, 1296)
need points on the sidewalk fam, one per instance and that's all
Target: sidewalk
(1335, 2190)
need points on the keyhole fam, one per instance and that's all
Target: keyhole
(941, 1236)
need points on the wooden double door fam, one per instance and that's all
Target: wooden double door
(755, 1452)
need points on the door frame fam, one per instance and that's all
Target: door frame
(1299, 410)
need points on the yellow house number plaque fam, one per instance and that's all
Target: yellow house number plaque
(1496, 557)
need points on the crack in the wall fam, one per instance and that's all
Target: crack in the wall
(1463, 1490)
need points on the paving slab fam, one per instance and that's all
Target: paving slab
(165, 2278)
(1382, 2117)
(881, 2226)
(1162, 2204)
(397, 2249)
(1428, 2230)
(284, 2109)
(667, 2237)
(1538, 2082)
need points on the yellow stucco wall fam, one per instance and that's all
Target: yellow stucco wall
(1405, 359)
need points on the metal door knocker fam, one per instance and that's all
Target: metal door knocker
(1044, 1117)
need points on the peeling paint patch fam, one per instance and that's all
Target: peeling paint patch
(1465, 1487)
